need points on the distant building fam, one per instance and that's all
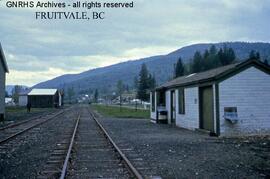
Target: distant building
(230, 100)
(45, 98)
(9, 102)
(3, 71)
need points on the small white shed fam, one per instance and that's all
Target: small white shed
(3, 71)
(230, 100)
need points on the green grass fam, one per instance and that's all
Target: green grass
(114, 111)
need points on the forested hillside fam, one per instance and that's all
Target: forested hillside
(162, 67)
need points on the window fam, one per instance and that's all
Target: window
(181, 101)
(153, 101)
(161, 98)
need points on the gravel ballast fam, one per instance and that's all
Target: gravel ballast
(173, 152)
(25, 156)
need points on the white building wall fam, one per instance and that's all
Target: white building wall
(249, 91)
(190, 119)
(2, 89)
(23, 100)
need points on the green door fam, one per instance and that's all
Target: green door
(207, 108)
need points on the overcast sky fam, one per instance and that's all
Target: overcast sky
(40, 50)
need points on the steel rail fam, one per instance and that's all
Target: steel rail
(29, 128)
(131, 168)
(65, 166)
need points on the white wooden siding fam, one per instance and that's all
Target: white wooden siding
(190, 119)
(249, 91)
(2, 89)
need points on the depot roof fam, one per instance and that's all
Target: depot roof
(214, 74)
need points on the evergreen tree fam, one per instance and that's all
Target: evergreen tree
(221, 56)
(211, 60)
(231, 56)
(143, 87)
(258, 56)
(213, 50)
(252, 55)
(179, 68)
(266, 62)
(226, 56)
(96, 96)
(206, 54)
(197, 62)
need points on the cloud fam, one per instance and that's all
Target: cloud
(151, 28)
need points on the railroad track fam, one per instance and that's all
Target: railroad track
(11, 132)
(90, 153)
(95, 154)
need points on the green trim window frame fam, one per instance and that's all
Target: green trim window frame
(153, 101)
(181, 101)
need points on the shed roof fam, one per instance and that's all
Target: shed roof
(3, 59)
(214, 74)
(42, 92)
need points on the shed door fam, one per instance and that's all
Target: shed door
(207, 108)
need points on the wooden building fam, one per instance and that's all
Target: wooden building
(44, 98)
(230, 100)
(3, 71)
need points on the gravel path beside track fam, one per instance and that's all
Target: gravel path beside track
(178, 153)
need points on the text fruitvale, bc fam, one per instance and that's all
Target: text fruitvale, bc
(69, 15)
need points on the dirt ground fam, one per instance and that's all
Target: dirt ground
(178, 153)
